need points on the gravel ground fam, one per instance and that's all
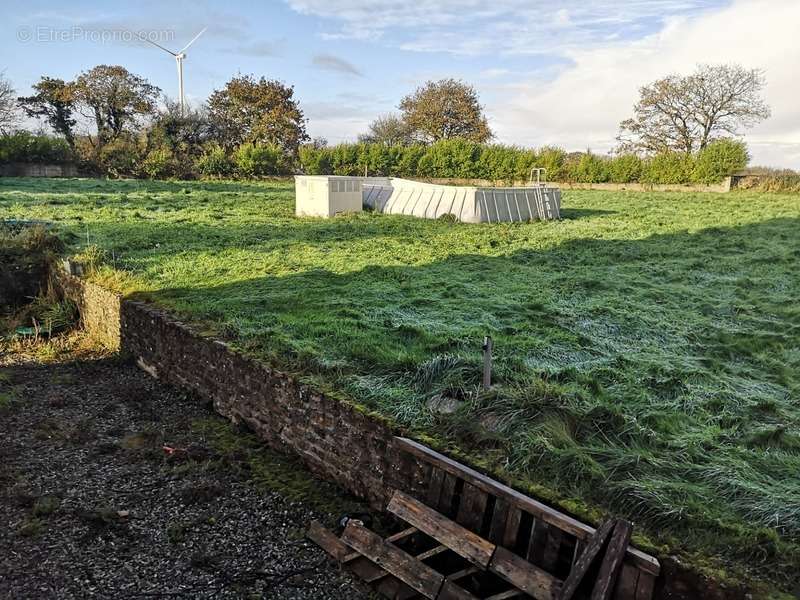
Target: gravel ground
(92, 505)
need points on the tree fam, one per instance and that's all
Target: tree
(251, 111)
(9, 115)
(115, 98)
(389, 130)
(445, 109)
(54, 101)
(686, 113)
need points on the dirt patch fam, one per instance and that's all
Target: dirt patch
(113, 484)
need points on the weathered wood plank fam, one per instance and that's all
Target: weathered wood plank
(497, 528)
(459, 539)
(391, 587)
(552, 545)
(432, 552)
(520, 573)
(453, 591)
(645, 586)
(626, 584)
(446, 495)
(434, 486)
(612, 561)
(506, 595)
(472, 507)
(539, 510)
(327, 540)
(401, 535)
(581, 566)
(403, 566)
(512, 527)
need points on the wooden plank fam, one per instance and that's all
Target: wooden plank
(472, 507)
(432, 552)
(403, 566)
(520, 573)
(497, 528)
(391, 587)
(446, 494)
(434, 487)
(612, 561)
(453, 591)
(459, 539)
(401, 535)
(552, 545)
(539, 510)
(626, 584)
(645, 586)
(512, 527)
(506, 595)
(327, 540)
(536, 545)
(463, 573)
(593, 549)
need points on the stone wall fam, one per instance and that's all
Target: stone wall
(38, 170)
(332, 437)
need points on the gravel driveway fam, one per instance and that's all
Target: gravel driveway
(115, 485)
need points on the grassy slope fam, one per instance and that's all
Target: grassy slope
(647, 345)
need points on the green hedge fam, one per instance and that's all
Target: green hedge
(462, 159)
(24, 146)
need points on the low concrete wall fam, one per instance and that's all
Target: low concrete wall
(38, 170)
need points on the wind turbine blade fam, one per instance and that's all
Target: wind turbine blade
(144, 39)
(193, 40)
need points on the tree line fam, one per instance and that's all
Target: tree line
(113, 122)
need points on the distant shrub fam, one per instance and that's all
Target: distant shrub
(119, 158)
(668, 168)
(254, 160)
(504, 163)
(554, 160)
(625, 168)
(771, 180)
(215, 162)
(591, 168)
(159, 164)
(719, 159)
(314, 161)
(450, 158)
(23, 146)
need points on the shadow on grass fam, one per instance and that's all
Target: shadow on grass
(583, 213)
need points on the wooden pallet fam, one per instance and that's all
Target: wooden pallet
(435, 557)
(540, 534)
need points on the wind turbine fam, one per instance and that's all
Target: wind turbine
(179, 56)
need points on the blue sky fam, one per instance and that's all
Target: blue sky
(548, 72)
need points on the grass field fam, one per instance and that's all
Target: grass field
(647, 347)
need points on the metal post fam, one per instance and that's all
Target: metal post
(487, 362)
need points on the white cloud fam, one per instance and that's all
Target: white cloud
(510, 26)
(582, 106)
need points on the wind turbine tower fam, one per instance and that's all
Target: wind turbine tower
(180, 55)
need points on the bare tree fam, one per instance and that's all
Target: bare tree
(389, 129)
(445, 109)
(9, 113)
(686, 113)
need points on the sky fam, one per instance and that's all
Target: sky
(555, 72)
